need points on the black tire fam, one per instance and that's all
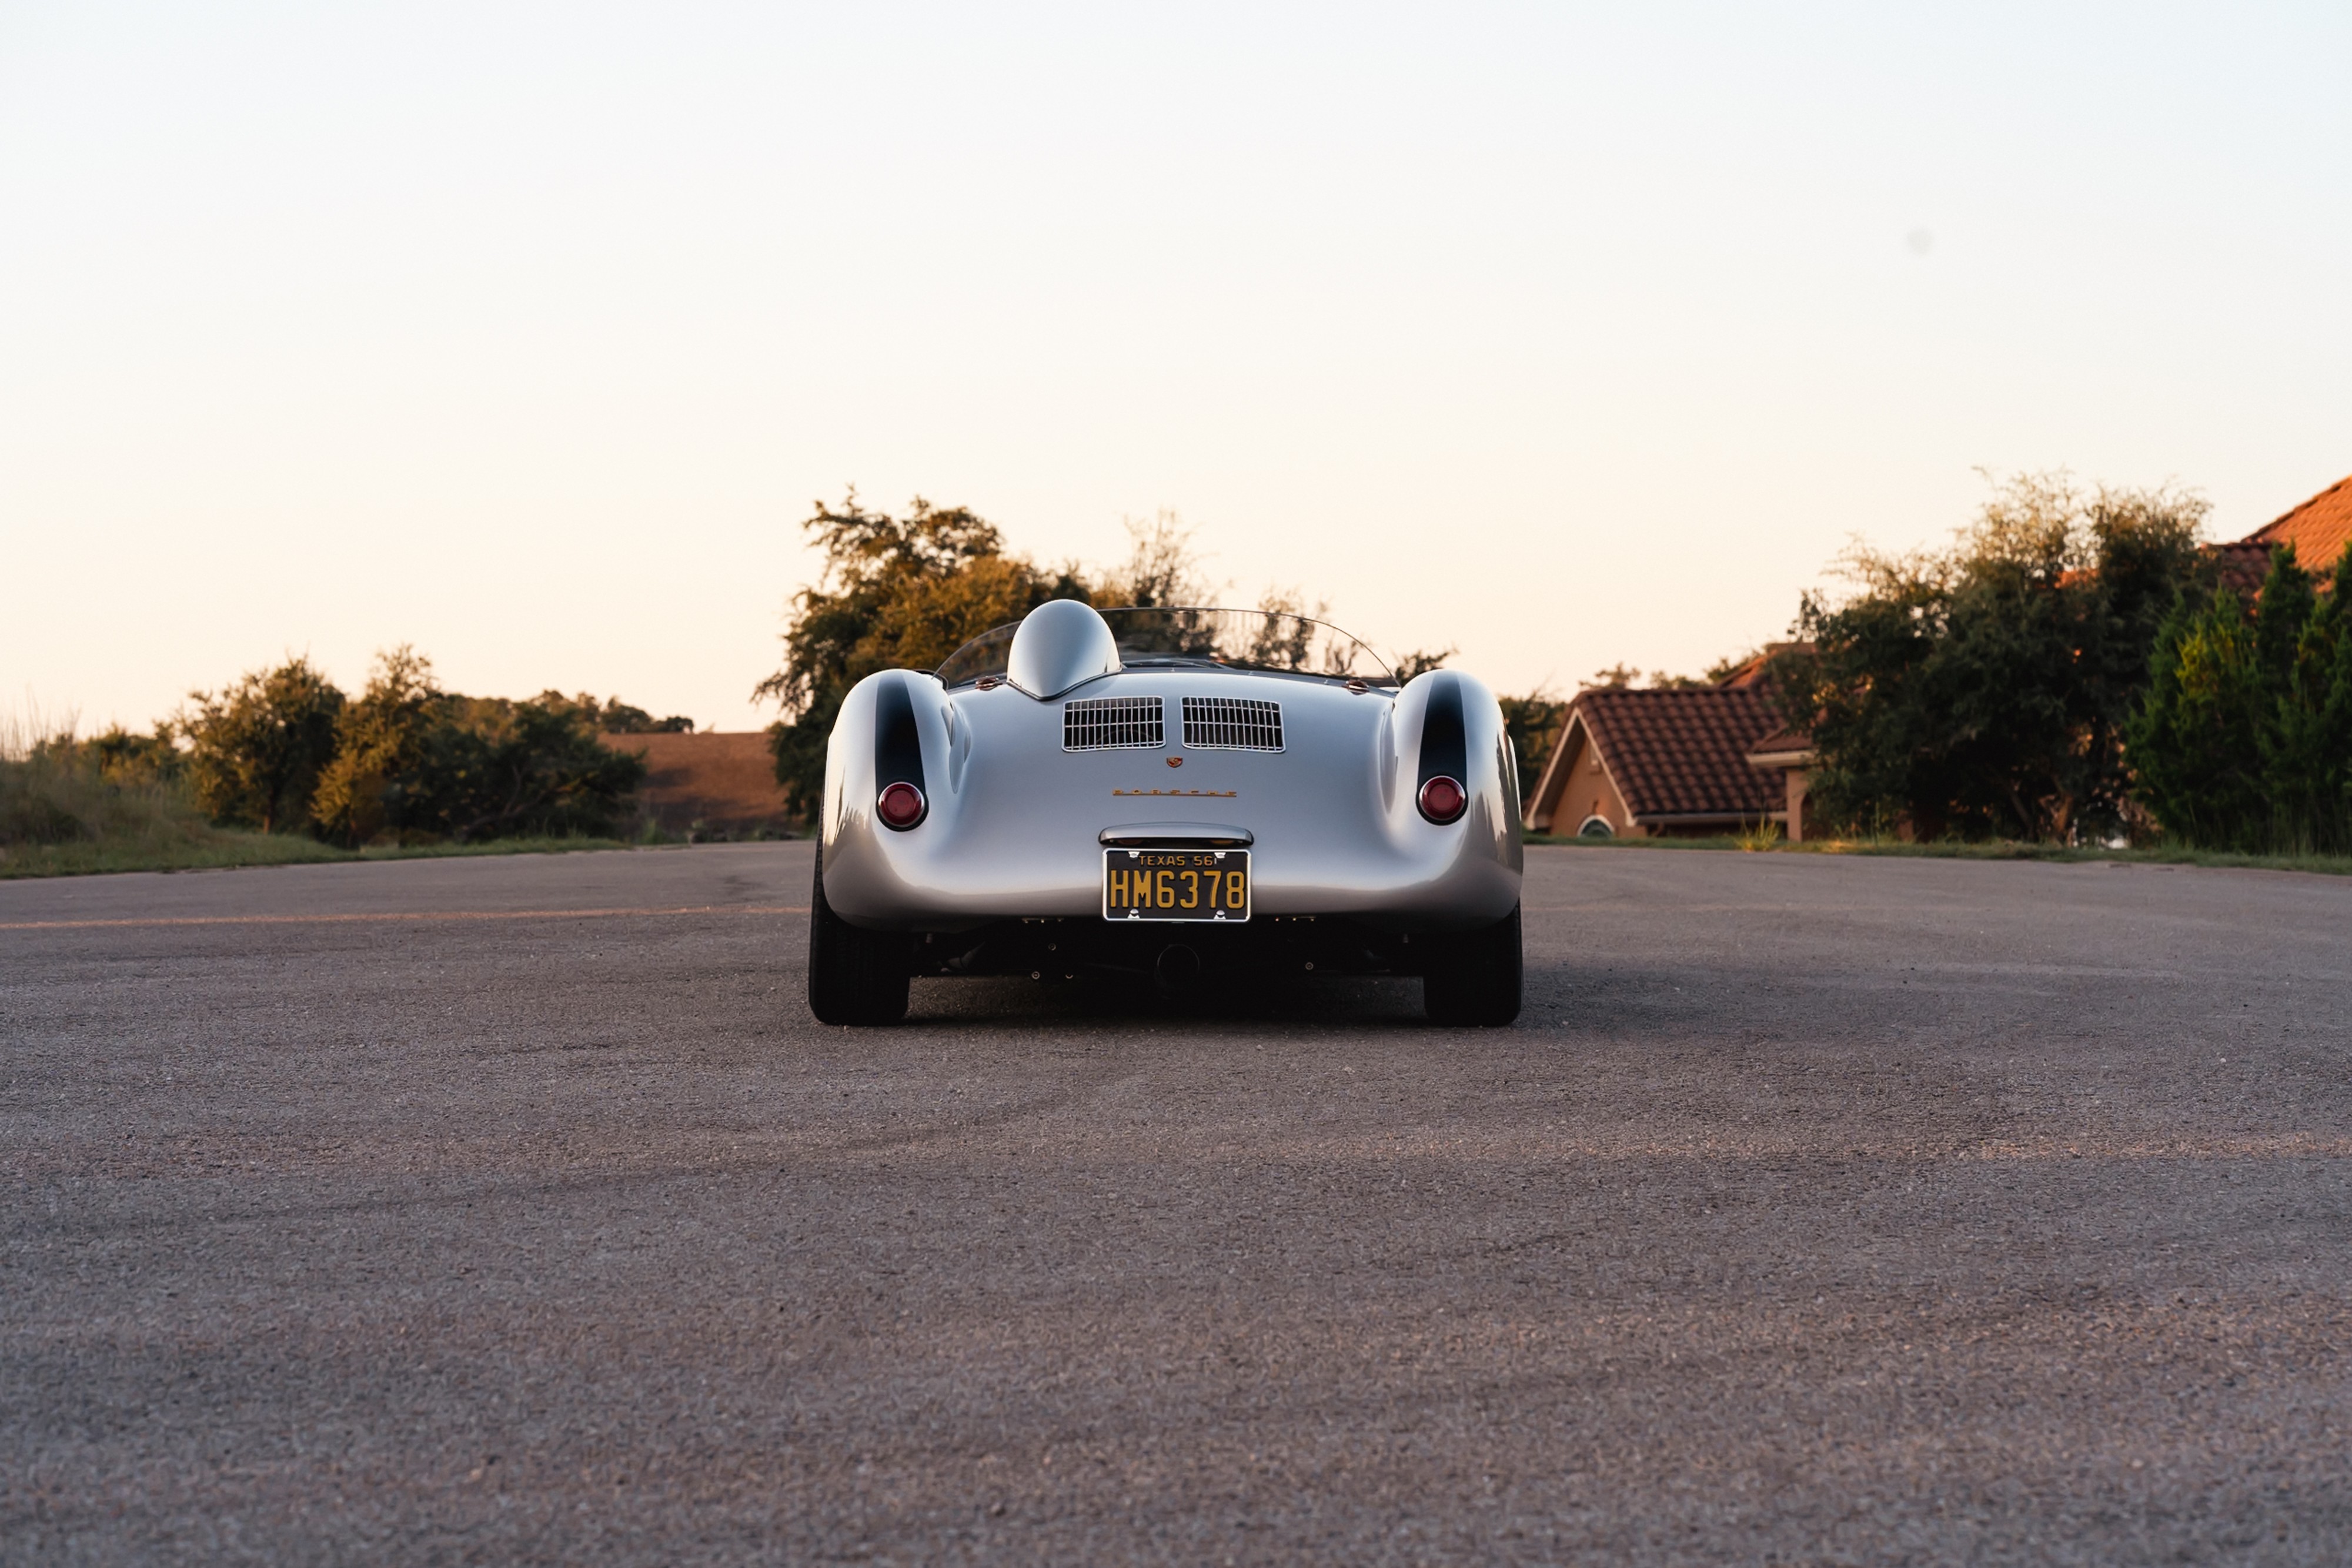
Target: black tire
(855, 976)
(1473, 980)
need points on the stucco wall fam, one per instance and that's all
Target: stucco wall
(1584, 790)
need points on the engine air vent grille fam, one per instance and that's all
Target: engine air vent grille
(1240, 724)
(1101, 724)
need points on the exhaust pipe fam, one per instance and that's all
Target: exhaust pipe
(1178, 971)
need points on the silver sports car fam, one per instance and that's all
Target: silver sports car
(1198, 797)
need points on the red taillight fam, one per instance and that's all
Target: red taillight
(1442, 799)
(901, 806)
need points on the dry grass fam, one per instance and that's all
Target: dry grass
(57, 808)
(61, 816)
(224, 849)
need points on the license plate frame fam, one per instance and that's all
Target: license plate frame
(1211, 898)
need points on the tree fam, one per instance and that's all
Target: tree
(613, 716)
(901, 593)
(421, 763)
(1421, 661)
(380, 745)
(1164, 569)
(1620, 677)
(2243, 741)
(257, 748)
(1533, 722)
(493, 769)
(1983, 690)
(2307, 754)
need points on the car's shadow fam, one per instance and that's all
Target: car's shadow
(1354, 1000)
(1613, 998)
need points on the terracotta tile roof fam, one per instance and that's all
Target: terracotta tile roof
(2319, 528)
(1756, 668)
(1781, 742)
(2243, 564)
(1675, 753)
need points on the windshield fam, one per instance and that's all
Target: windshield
(1188, 638)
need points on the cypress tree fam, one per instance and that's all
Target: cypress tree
(2193, 743)
(2307, 756)
(2243, 741)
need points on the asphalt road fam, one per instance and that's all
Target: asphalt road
(1817, 1210)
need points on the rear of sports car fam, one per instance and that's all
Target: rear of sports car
(1167, 817)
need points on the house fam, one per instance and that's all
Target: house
(1713, 760)
(2318, 529)
(1671, 762)
(1790, 754)
(715, 785)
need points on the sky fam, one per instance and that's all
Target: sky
(1565, 335)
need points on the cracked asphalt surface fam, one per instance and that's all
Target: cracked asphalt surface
(1818, 1210)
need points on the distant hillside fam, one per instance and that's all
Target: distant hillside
(710, 785)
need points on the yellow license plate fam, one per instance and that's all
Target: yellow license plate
(1176, 885)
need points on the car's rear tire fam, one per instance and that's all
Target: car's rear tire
(1473, 980)
(855, 976)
